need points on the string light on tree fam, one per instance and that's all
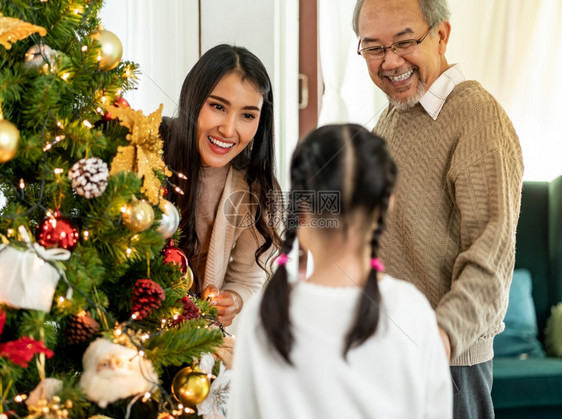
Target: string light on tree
(57, 139)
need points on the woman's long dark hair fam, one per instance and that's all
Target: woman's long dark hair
(181, 152)
(354, 162)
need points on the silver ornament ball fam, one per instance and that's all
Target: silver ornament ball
(40, 57)
(170, 220)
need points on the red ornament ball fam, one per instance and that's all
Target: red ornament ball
(119, 101)
(173, 254)
(57, 231)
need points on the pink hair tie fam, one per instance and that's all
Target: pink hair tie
(282, 259)
(377, 264)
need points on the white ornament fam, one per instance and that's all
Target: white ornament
(27, 279)
(89, 177)
(216, 403)
(45, 390)
(170, 220)
(113, 372)
(206, 363)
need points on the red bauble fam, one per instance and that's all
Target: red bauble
(57, 231)
(118, 101)
(173, 254)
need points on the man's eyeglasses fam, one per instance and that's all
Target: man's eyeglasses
(399, 48)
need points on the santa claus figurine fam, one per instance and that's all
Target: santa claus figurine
(113, 372)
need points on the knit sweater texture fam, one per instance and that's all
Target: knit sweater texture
(452, 228)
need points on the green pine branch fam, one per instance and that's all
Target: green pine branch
(177, 346)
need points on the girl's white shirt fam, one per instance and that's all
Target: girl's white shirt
(399, 372)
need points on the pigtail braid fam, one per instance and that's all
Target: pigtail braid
(368, 312)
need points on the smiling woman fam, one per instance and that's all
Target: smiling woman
(167, 37)
(228, 120)
(222, 139)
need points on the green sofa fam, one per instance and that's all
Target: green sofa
(532, 388)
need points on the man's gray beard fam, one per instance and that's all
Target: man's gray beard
(411, 101)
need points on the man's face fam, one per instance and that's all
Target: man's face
(404, 78)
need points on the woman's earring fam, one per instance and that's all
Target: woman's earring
(252, 144)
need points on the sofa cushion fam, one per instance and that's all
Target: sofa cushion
(527, 382)
(520, 335)
(553, 332)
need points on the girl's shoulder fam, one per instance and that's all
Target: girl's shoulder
(402, 292)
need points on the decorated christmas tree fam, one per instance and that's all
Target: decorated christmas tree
(96, 314)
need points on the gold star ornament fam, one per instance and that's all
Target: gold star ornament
(144, 155)
(13, 30)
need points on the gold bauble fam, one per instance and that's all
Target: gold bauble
(188, 278)
(190, 386)
(138, 216)
(9, 140)
(111, 49)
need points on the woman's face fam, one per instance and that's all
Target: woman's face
(228, 120)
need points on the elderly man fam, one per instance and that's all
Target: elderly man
(452, 230)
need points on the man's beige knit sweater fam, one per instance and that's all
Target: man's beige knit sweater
(452, 229)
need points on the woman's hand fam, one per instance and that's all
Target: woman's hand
(228, 303)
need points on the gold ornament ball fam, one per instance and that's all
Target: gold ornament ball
(190, 386)
(188, 278)
(9, 140)
(111, 49)
(138, 216)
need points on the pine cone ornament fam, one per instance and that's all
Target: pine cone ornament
(147, 296)
(190, 311)
(89, 177)
(81, 328)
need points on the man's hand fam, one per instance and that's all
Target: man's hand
(228, 303)
(446, 343)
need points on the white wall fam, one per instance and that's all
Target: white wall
(514, 48)
(163, 38)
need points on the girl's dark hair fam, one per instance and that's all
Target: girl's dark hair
(181, 152)
(349, 160)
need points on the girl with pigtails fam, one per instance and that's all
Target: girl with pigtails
(349, 341)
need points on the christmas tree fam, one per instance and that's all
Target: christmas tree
(96, 314)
